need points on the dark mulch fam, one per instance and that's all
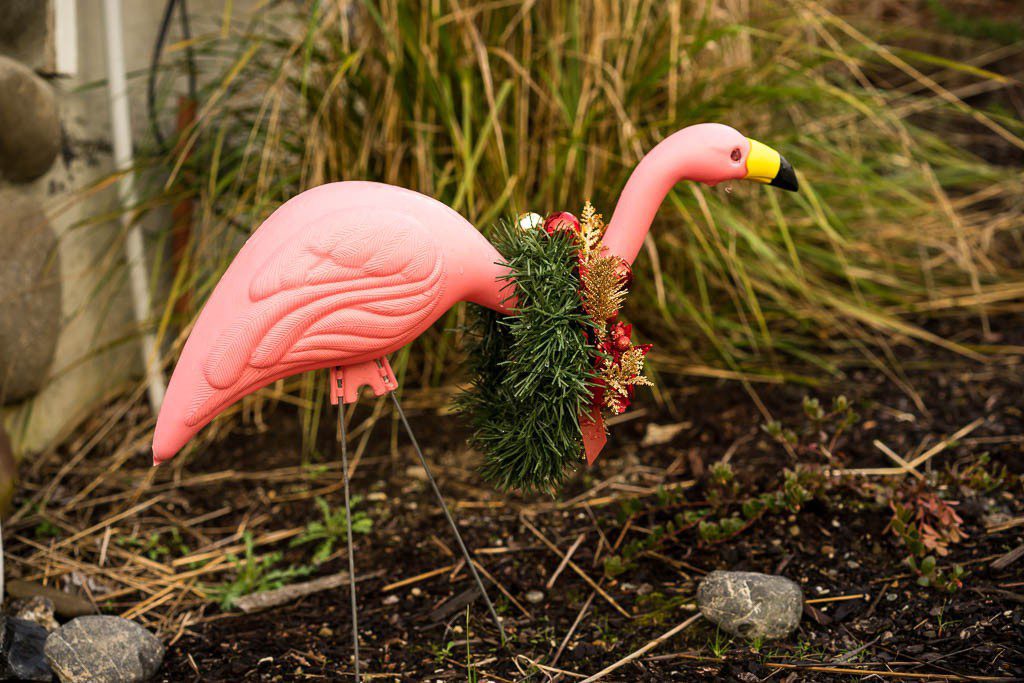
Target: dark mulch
(837, 545)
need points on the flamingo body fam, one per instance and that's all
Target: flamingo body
(339, 276)
(346, 273)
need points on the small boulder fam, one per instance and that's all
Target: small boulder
(39, 610)
(21, 651)
(30, 308)
(751, 605)
(25, 31)
(30, 133)
(103, 649)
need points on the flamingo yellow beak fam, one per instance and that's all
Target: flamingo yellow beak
(765, 165)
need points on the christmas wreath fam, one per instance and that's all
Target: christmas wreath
(544, 375)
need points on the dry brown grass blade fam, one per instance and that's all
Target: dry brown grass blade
(643, 650)
(881, 673)
(572, 565)
(565, 560)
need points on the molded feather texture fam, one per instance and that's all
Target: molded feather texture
(326, 296)
(338, 276)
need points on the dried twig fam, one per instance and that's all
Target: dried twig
(572, 565)
(945, 443)
(504, 591)
(1003, 526)
(280, 596)
(565, 560)
(838, 598)
(1001, 563)
(904, 465)
(642, 651)
(419, 577)
(882, 673)
(572, 629)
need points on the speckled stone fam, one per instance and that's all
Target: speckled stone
(103, 649)
(751, 605)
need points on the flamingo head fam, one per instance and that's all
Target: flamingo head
(716, 153)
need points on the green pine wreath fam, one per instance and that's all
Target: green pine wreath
(532, 370)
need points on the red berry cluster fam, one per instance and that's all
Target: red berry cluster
(616, 342)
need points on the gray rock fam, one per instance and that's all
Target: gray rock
(21, 651)
(751, 605)
(30, 306)
(30, 135)
(103, 649)
(39, 610)
(23, 30)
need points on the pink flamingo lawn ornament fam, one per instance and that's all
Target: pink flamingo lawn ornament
(344, 274)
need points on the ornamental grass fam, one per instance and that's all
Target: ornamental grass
(499, 108)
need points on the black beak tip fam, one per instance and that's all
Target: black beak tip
(786, 177)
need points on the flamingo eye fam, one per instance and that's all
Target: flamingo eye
(737, 154)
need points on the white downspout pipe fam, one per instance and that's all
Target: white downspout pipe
(121, 131)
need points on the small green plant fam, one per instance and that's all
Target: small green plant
(46, 529)
(254, 575)
(725, 527)
(807, 650)
(722, 486)
(659, 535)
(156, 547)
(614, 565)
(822, 431)
(443, 652)
(982, 475)
(929, 573)
(719, 522)
(471, 673)
(796, 489)
(659, 609)
(943, 622)
(719, 644)
(332, 528)
(926, 524)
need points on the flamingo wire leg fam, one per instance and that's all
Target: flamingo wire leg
(351, 554)
(451, 520)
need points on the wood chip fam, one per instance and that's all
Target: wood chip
(656, 435)
(1004, 561)
(65, 604)
(281, 596)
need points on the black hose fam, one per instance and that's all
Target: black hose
(154, 64)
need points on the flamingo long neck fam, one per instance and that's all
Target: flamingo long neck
(665, 165)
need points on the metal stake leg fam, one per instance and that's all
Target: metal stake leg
(451, 521)
(348, 523)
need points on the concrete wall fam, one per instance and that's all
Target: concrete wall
(96, 350)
